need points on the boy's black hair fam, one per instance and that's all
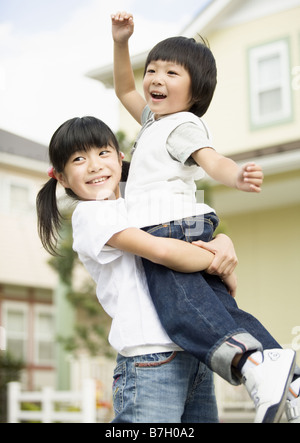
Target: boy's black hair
(198, 60)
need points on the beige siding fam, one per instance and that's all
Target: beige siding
(268, 245)
(228, 116)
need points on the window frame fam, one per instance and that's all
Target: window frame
(30, 336)
(6, 205)
(23, 335)
(256, 54)
(44, 337)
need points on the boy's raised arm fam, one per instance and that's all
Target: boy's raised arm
(124, 82)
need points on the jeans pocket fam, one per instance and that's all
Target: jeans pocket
(119, 379)
(156, 360)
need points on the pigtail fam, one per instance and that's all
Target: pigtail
(49, 217)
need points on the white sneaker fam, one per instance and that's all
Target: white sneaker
(292, 410)
(268, 384)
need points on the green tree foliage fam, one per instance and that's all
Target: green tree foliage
(10, 370)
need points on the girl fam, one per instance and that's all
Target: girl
(179, 83)
(155, 381)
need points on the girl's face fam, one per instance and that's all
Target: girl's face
(93, 175)
(167, 88)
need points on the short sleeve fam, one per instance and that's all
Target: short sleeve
(94, 223)
(146, 114)
(186, 139)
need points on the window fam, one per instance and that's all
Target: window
(32, 341)
(15, 323)
(270, 85)
(17, 196)
(44, 338)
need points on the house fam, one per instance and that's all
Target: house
(27, 283)
(254, 116)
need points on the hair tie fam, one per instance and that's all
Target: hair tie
(51, 173)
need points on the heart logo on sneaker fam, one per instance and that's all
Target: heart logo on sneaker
(274, 355)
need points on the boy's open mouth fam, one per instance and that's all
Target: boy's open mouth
(158, 96)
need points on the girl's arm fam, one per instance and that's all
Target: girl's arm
(124, 82)
(248, 177)
(174, 254)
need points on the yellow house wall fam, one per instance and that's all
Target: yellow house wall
(228, 116)
(268, 248)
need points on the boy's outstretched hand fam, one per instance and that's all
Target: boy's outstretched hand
(122, 26)
(250, 178)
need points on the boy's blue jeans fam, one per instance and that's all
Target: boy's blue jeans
(171, 387)
(196, 309)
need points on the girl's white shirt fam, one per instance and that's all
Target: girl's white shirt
(121, 283)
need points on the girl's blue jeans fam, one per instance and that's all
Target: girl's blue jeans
(196, 309)
(171, 387)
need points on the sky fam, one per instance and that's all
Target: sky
(47, 47)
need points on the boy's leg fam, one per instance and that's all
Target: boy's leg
(241, 318)
(220, 356)
(154, 388)
(190, 310)
(202, 228)
(196, 320)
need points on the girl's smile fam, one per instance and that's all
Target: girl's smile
(94, 174)
(97, 180)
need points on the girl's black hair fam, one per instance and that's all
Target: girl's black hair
(198, 60)
(77, 134)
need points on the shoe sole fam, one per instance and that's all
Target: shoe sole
(274, 413)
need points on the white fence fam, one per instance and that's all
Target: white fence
(101, 370)
(54, 406)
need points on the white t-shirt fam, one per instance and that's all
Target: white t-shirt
(121, 283)
(161, 184)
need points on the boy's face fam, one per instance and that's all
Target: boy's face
(93, 175)
(167, 88)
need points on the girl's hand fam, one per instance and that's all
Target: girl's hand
(122, 26)
(250, 178)
(225, 259)
(231, 284)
